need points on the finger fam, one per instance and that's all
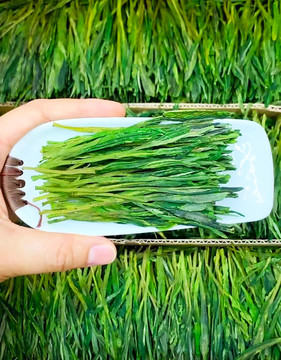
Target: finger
(26, 251)
(16, 123)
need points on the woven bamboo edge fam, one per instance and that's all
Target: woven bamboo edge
(269, 110)
(199, 242)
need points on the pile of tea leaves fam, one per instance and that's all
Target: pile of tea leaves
(166, 171)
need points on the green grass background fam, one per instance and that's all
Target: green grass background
(157, 302)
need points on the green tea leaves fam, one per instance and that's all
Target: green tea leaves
(161, 172)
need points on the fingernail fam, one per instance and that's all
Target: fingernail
(101, 255)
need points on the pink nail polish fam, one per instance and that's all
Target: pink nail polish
(101, 255)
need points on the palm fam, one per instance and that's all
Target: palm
(25, 251)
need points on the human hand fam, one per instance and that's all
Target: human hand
(26, 251)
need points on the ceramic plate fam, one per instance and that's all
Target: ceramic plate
(251, 156)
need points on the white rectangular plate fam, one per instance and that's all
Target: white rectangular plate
(251, 156)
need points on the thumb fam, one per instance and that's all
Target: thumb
(26, 251)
